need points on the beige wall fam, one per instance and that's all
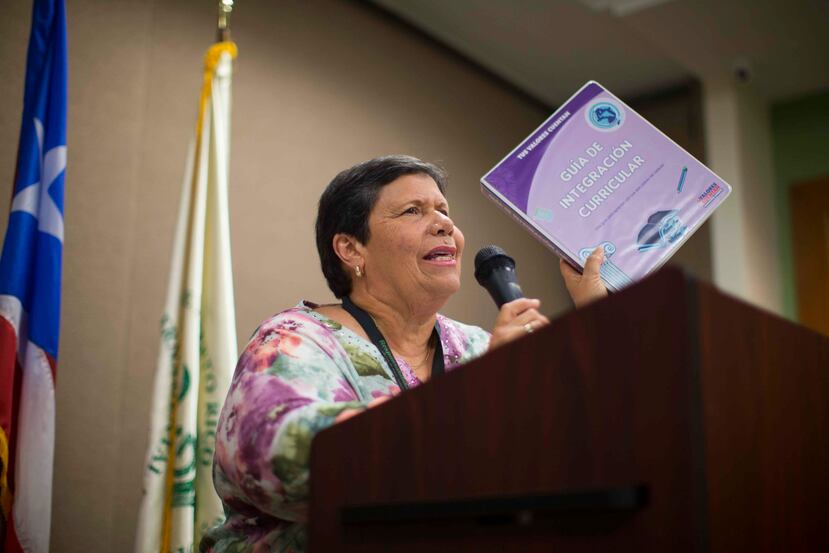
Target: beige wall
(318, 86)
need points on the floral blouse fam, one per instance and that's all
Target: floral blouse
(297, 373)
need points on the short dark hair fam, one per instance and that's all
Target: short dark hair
(346, 204)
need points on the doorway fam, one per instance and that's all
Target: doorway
(809, 203)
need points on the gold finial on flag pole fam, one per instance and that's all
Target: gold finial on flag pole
(223, 30)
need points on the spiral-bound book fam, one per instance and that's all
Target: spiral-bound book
(596, 173)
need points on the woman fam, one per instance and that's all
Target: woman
(390, 251)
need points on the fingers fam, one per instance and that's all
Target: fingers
(592, 267)
(517, 318)
(347, 414)
(516, 307)
(531, 317)
(593, 264)
(378, 400)
(568, 273)
(528, 322)
(588, 286)
(520, 312)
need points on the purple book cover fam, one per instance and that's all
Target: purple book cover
(597, 173)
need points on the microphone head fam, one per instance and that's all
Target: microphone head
(489, 258)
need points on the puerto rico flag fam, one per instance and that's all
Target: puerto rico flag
(30, 282)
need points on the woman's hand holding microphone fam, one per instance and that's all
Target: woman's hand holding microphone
(521, 316)
(515, 319)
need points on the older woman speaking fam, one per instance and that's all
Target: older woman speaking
(391, 253)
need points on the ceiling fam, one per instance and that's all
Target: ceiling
(548, 48)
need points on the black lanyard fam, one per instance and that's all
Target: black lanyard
(380, 343)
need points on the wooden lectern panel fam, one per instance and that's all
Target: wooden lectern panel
(766, 405)
(666, 417)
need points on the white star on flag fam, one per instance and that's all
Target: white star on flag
(35, 199)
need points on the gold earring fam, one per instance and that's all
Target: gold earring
(358, 271)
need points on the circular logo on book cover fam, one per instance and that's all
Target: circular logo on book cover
(605, 115)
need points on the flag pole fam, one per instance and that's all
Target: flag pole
(223, 27)
(179, 376)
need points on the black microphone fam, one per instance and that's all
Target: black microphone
(495, 271)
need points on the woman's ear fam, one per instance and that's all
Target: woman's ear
(349, 250)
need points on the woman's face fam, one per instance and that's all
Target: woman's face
(413, 246)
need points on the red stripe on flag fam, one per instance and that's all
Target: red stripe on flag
(10, 380)
(53, 368)
(9, 376)
(10, 542)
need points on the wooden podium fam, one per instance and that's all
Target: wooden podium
(668, 417)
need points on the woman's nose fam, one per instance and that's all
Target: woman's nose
(443, 225)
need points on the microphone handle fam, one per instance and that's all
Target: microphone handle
(503, 286)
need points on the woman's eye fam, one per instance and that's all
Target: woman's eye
(412, 210)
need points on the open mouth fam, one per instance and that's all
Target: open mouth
(441, 253)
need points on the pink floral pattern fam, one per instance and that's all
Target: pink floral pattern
(297, 373)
